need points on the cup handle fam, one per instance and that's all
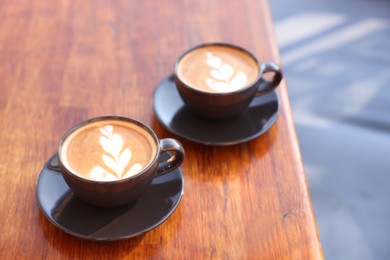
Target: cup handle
(170, 145)
(265, 86)
(53, 163)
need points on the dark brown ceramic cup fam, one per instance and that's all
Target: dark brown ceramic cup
(110, 161)
(219, 80)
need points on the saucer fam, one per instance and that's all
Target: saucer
(72, 215)
(176, 117)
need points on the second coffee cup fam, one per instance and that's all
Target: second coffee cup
(110, 161)
(219, 80)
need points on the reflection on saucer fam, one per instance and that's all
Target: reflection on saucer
(176, 117)
(70, 211)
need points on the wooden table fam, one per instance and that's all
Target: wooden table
(65, 61)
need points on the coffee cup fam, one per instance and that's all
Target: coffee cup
(219, 80)
(110, 161)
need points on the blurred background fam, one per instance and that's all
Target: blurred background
(336, 59)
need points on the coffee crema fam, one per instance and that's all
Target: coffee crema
(108, 150)
(217, 69)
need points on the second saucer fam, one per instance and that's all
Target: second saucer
(75, 217)
(171, 112)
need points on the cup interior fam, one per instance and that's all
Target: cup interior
(108, 149)
(217, 68)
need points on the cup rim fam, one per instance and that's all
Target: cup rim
(224, 44)
(99, 118)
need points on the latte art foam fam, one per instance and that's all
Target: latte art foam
(108, 150)
(217, 69)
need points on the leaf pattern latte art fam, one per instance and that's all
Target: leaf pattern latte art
(223, 77)
(113, 157)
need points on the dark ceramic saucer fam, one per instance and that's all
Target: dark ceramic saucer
(80, 219)
(253, 122)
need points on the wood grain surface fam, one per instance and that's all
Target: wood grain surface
(65, 61)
